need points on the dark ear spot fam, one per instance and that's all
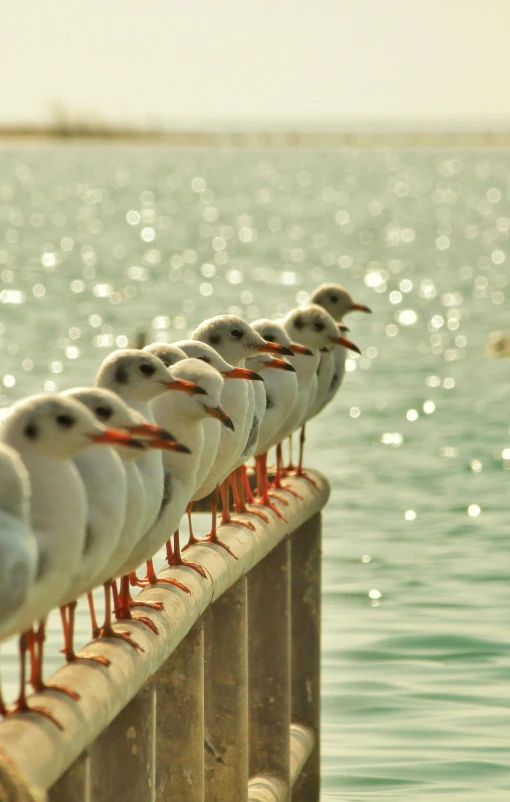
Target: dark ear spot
(121, 375)
(31, 431)
(333, 299)
(205, 359)
(318, 326)
(214, 339)
(299, 322)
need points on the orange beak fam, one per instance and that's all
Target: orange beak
(280, 364)
(301, 349)
(242, 373)
(360, 308)
(116, 437)
(220, 414)
(169, 445)
(151, 431)
(346, 343)
(185, 387)
(273, 348)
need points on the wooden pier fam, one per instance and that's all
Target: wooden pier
(223, 705)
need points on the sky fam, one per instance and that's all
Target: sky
(268, 64)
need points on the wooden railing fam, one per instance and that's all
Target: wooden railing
(223, 705)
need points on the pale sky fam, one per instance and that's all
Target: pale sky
(316, 64)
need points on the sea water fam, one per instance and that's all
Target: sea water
(99, 242)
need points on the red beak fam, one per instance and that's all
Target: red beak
(273, 348)
(242, 373)
(346, 343)
(151, 431)
(301, 349)
(280, 364)
(360, 308)
(220, 414)
(116, 437)
(186, 387)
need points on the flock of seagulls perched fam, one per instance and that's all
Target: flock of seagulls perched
(95, 480)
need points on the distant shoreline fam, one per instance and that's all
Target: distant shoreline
(91, 135)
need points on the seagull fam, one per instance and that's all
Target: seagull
(337, 302)
(210, 465)
(18, 545)
(48, 431)
(235, 341)
(187, 414)
(138, 377)
(305, 367)
(281, 388)
(116, 501)
(314, 328)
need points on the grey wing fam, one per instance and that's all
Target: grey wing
(18, 566)
(253, 436)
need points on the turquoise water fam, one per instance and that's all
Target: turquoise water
(98, 241)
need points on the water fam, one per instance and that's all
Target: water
(98, 241)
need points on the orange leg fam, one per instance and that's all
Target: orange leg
(123, 611)
(192, 539)
(21, 705)
(212, 537)
(277, 484)
(265, 500)
(176, 559)
(300, 471)
(107, 630)
(246, 481)
(68, 628)
(37, 643)
(226, 518)
(239, 502)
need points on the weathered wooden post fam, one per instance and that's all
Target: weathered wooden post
(306, 647)
(74, 785)
(269, 666)
(180, 722)
(226, 697)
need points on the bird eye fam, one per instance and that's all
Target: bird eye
(333, 299)
(299, 322)
(270, 337)
(104, 412)
(31, 431)
(318, 326)
(205, 359)
(237, 333)
(65, 421)
(147, 370)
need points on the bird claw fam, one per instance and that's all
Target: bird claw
(238, 522)
(148, 623)
(287, 490)
(109, 632)
(278, 498)
(41, 711)
(304, 475)
(175, 561)
(40, 687)
(165, 580)
(96, 658)
(153, 605)
(214, 539)
(259, 514)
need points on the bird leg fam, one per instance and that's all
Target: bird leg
(300, 471)
(290, 467)
(21, 705)
(37, 643)
(192, 539)
(239, 500)
(277, 484)
(226, 518)
(246, 481)
(261, 462)
(107, 630)
(212, 537)
(176, 559)
(123, 611)
(153, 579)
(68, 627)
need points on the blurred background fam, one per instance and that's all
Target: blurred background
(163, 163)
